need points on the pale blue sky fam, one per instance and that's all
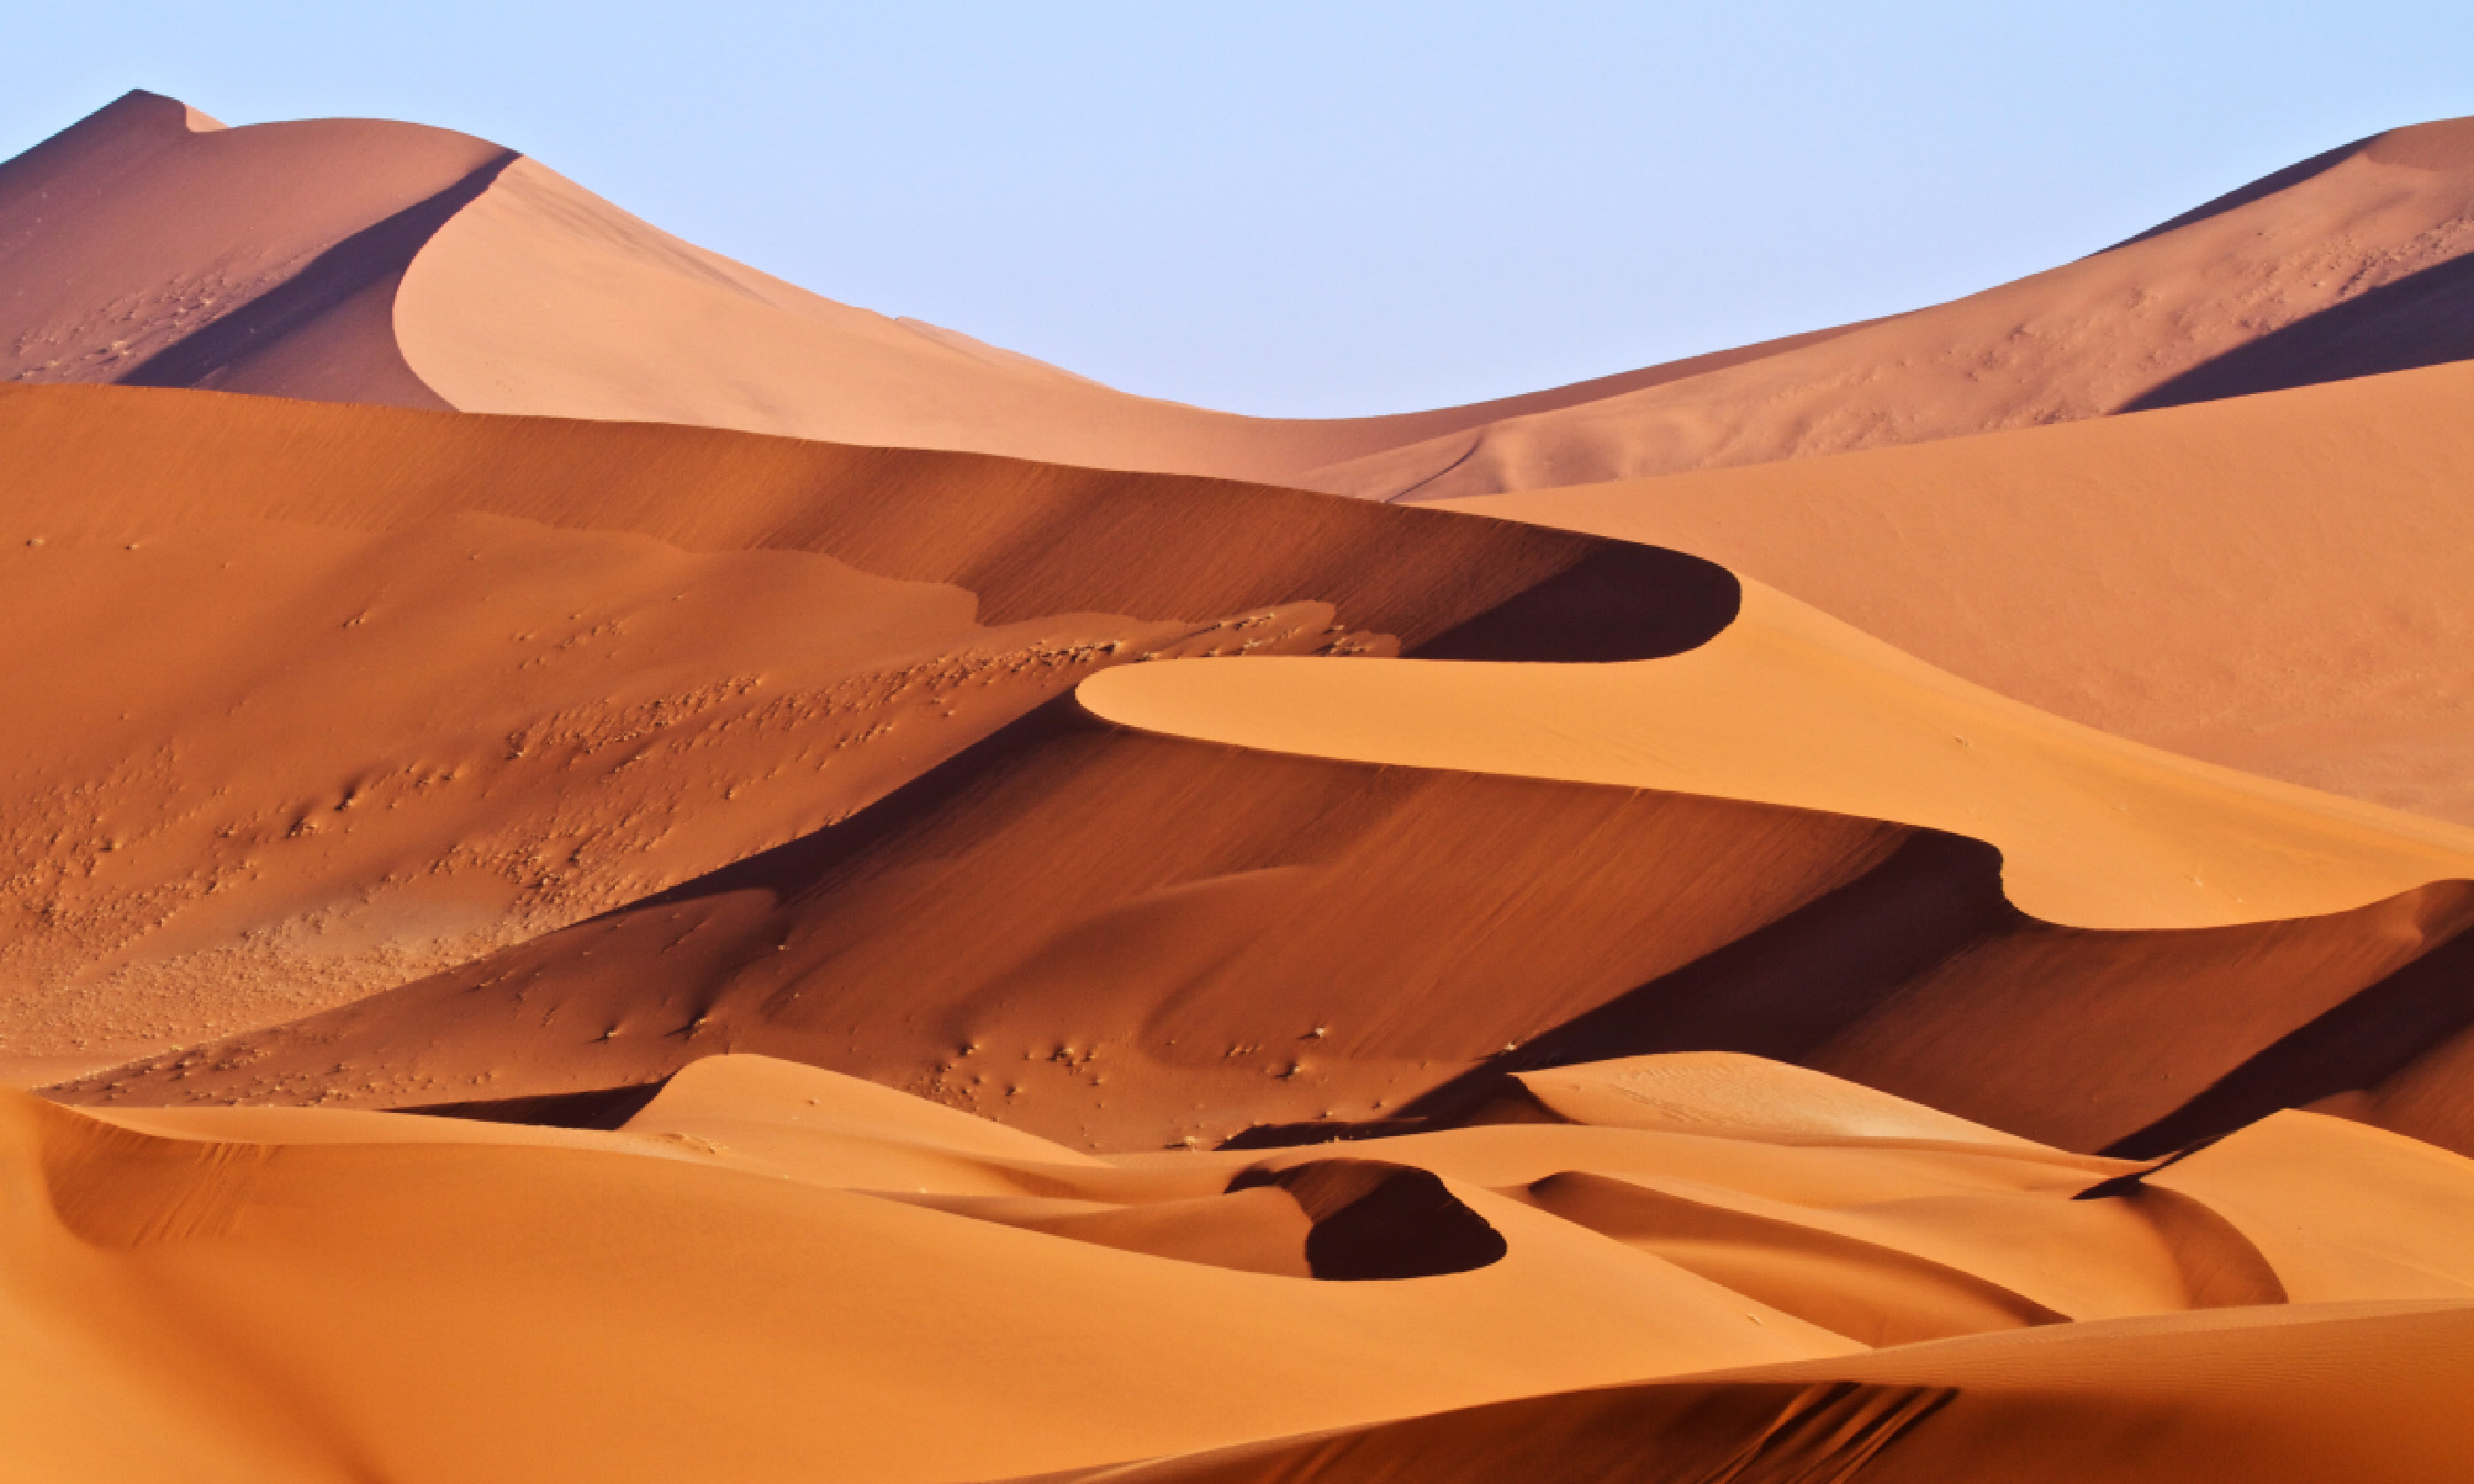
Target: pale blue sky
(1333, 207)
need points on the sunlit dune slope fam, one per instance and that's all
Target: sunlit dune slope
(2345, 265)
(543, 297)
(1789, 706)
(148, 244)
(1297, 897)
(364, 261)
(771, 1272)
(2283, 584)
(312, 700)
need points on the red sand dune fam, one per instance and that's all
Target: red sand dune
(355, 260)
(317, 699)
(596, 947)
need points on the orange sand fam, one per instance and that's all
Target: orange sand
(619, 944)
(295, 1293)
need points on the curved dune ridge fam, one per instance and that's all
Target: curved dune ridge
(563, 933)
(279, 1294)
(1788, 707)
(390, 263)
(2282, 584)
(1246, 940)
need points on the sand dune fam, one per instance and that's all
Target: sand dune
(150, 244)
(610, 943)
(328, 1293)
(1294, 902)
(1787, 707)
(2345, 266)
(387, 263)
(2354, 1393)
(365, 261)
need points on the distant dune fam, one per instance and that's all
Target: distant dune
(615, 871)
(352, 260)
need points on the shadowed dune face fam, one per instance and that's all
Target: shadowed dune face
(1375, 1222)
(264, 767)
(1333, 952)
(317, 700)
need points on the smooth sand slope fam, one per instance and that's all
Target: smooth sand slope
(773, 1272)
(311, 701)
(2282, 584)
(365, 261)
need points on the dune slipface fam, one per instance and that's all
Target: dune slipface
(616, 870)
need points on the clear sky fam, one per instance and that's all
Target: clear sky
(1335, 206)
